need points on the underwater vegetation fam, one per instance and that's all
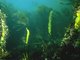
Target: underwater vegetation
(49, 22)
(27, 35)
(44, 34)
(3, 33)
(77, 20)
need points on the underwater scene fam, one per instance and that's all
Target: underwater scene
(39, 29)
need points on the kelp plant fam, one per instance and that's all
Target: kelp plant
(27, 35)
(3, 33)
(49, 22)
(77, 20)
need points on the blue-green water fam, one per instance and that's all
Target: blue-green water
(31, 5)
(61, 7)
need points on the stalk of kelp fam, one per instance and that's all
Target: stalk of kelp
(77, 20)
(49, 22)
(3, 33)
(27, 35)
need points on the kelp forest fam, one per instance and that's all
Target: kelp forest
(47, 32)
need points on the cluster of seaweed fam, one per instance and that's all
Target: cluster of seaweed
(3, 34)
